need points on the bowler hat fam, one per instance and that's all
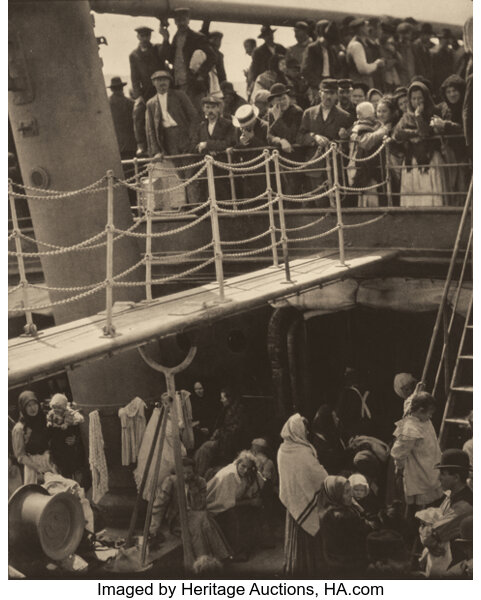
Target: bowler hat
(385, 544)
(278, 89)
(245, 115)
(344, 84)
(161, 75)
(466, 530)
(454, 458)
(116, 82)
(144, 29)
(265, 30)
(227, 87)
(301, 25)
(328, 85)
(210, 99)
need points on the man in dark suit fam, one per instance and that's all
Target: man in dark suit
(171, 120)
(320, 60)
(183, 46)
(262, 54)
(320, 125)
(344, 90)
(145, 60)
(422, 49)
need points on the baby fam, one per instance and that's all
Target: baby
(61, 415)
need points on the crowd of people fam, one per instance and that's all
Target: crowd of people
(360, 490)
(358, 82)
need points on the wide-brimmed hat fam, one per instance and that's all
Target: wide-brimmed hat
(210, 99)
(266, 29)
(278, 89)
(161, 75)
(454, 458)
(227, 88)
(328, 85)
(116, 82)
(245, 115)
(144, 29)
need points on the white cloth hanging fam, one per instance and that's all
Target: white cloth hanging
(97, 461)
(133, 423)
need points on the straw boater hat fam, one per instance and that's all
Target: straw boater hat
(245, 115)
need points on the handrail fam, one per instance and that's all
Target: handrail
(447, 284)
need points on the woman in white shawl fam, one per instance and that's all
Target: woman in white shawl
(301, 478)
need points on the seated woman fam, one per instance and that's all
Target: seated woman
(343, 531)
(324, 435)
(234, 497)
(31, 438)
(422, 180)
(206, 536)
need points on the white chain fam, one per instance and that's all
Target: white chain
(176, 257)
(305, 163)
(246, 210)
(314, 237)
(316, 222)
(310, 198)
(361, 189)
(164, 279)
(63, 250)
(163, 213)
(57, 195)
(245, 201)
(59, 302)
(246, 163)
(364, 158)
(247, 240)
(252, 252)
(166, 233)
(354, 225)
(14, 289)
(244, 169)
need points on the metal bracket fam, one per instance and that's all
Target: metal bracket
(28, 128)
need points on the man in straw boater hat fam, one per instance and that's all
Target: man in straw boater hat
(171, 121)
(145, 60)
(454, 470)
(122, 115)
(319, 126)
(263, 53)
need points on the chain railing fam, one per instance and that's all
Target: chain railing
(270, 165)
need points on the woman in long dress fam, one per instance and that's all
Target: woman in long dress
(301, 478)
(422, 179)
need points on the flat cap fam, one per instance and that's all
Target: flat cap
(329, 85)
(161, 75)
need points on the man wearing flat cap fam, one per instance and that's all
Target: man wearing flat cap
(319, 126)
(145, 60)
(321, 59)
(262, 55)
(360, 68)
(184, 44)
(298, 51)
(214, 133)
(344, 90)
(458, 502)
(422, 48)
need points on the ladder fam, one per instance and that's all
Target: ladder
(458, 388)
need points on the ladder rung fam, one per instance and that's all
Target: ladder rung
(463, 388)
(469, 326)
(465, 357)
(457, 421)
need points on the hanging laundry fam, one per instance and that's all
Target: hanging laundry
(98, 464)
(133, 423)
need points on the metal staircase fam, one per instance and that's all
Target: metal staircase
(458, 379)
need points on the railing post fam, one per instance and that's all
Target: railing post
(388, 172)
(340, 225)
(214, 219)
(282, 218)
(29, 328)
(109, 329)
(148, 238)
(231, 178)
(137, 185)
(272, 224)
(447, 378)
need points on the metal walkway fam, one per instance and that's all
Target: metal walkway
(66, 346)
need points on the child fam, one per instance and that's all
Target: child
(61, 415)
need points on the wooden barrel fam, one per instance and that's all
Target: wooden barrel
(53, 523)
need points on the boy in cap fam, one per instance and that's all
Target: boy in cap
(321, 60)
(231, 98)
(145, 60)
(298, 51)
(297, 83)
(262, 54)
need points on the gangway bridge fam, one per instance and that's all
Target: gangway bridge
(126, 325)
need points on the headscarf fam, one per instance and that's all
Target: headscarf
(59, 401)
(359, 479)
(332, 493)
(38, 440)
(428, 100)
(401, 381)
(300, 475)
(373, 91)
(456, 110)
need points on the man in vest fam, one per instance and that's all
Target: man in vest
(358, 66)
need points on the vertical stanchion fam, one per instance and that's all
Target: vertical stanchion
(231, 178)
(282, 218)
(148, 239)
(109, 329)
(30, 328)
(332, 200)
(387, 154)
(137, 185)
(214, 219)
(337, 192)
(272, 224)
(447, 376)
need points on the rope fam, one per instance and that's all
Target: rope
(245, 163)
(246, 201)
(365, 158)
(252, 252)
(177, 257)
(354, 225)
(164, 279)
(14, 289)
(56, 194)
(244, 169)
(305, 163)
(313, 237)
(345, 188)
(78, 288)
(308, 199)
(305, 226)
(246, 210)
(62, 250)
(129, 270)
(247, 240)
(182, 212)
(59, 302)
(165, 233)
